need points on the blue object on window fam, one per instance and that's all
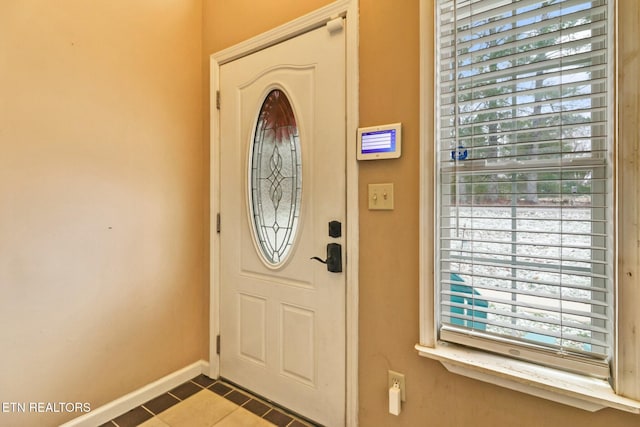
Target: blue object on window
(547, 339)
(471, 301)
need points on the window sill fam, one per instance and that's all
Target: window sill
(582, 392)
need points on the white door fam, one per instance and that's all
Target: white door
(282, 175)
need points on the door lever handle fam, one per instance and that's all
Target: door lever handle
(334, 258)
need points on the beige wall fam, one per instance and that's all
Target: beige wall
(101, 184)
(103, 205)
(389, 296)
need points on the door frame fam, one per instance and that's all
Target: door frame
(347, 9)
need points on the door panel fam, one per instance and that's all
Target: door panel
(282, 321)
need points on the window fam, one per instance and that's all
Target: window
(524, 182)
(275, 179)
(523, 287)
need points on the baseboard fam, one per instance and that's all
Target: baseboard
(136, 398)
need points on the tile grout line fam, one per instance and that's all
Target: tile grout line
(242, 406)
(271, 406)
(250, 398)
(226, 416)
(173, 395)
(154, 415)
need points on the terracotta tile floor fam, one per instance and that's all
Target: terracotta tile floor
(203, 402)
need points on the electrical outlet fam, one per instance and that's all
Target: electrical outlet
(396, 377)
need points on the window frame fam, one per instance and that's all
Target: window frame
(458, 111)
(569, 388)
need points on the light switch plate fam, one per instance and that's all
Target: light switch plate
(381, 196)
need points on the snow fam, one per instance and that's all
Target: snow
(531, 295)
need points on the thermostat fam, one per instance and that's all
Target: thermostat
(380, 142)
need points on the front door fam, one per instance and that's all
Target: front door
(282, 175)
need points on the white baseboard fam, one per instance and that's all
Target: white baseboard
(136, 398)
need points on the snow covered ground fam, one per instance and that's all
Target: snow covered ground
(509, 255)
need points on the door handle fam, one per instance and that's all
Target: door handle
(334, 258)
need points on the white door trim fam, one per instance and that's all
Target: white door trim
(349, 10)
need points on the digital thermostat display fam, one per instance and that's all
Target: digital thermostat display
(379, 142)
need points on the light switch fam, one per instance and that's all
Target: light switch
(381, 196)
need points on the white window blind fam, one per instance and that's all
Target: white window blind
(524, 179)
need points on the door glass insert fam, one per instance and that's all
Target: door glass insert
(275, 178)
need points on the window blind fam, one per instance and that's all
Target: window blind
(524, 180)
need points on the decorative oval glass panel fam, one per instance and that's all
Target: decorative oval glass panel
(275, 178)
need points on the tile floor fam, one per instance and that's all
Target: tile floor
(204, 402)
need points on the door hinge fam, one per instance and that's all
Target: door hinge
(218, 99)
(218, 223)
(218, 344)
